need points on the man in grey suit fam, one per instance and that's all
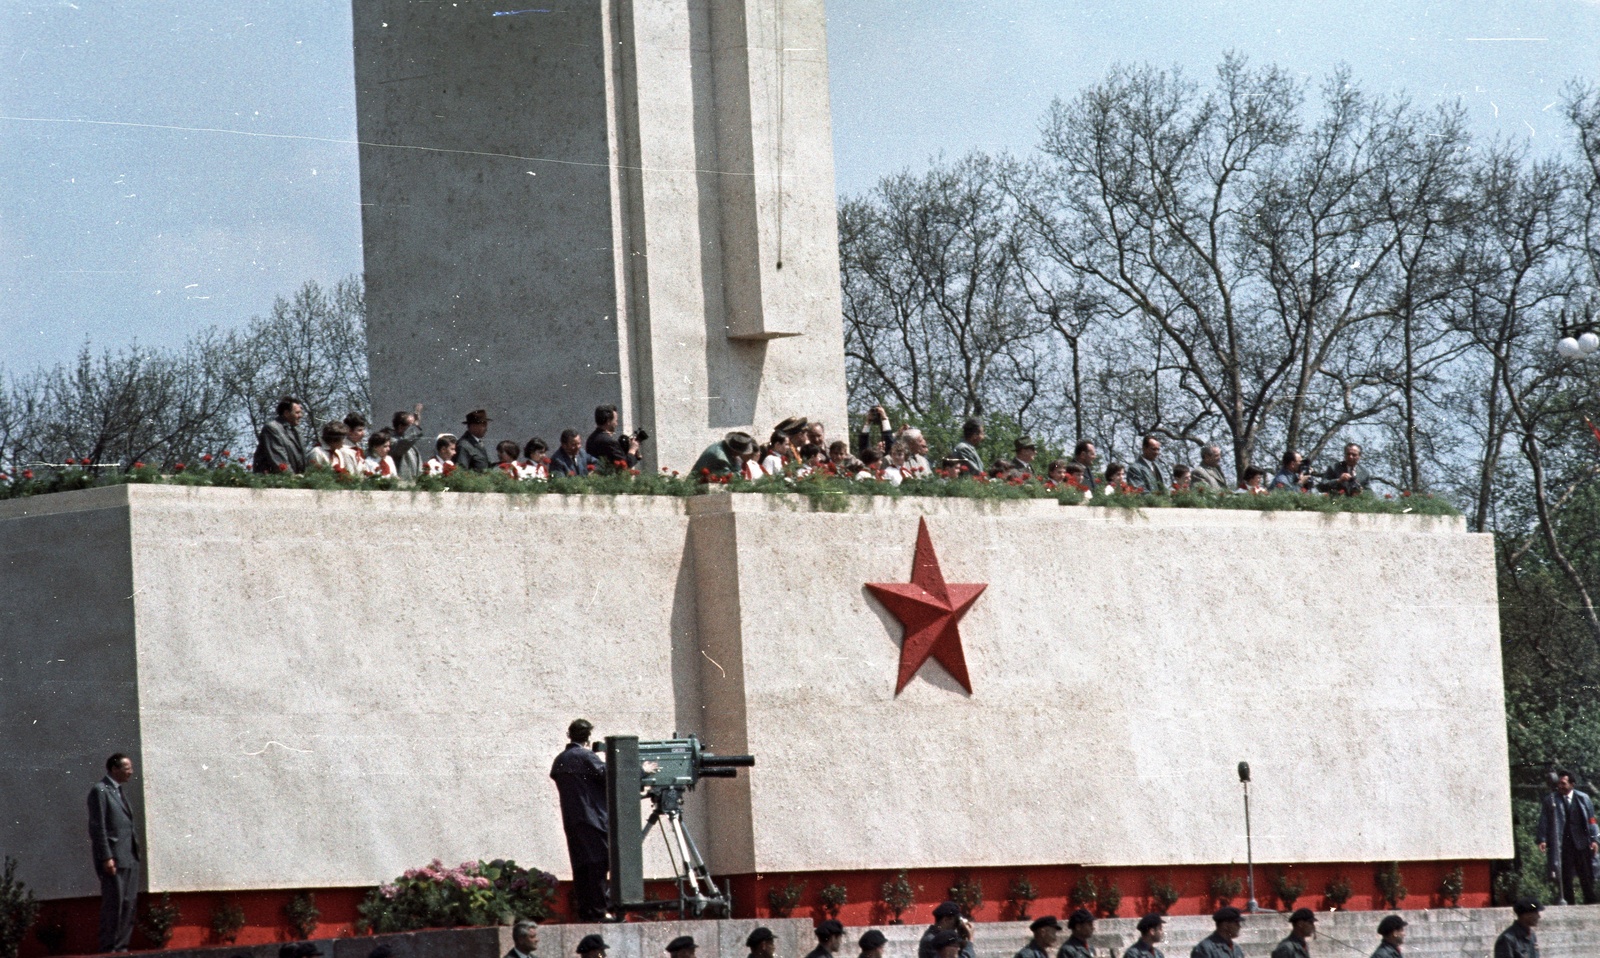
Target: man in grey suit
(1145, 473)
(1569, 837)
(280, 448)
(116, 853)
(1209, 472)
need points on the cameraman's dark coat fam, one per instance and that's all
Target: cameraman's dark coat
(610, 450)
(580, 778)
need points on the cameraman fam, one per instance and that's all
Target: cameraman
(604, 444)
(580, 778)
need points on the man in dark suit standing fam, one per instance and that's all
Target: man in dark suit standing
(1569, 837)
(471, 453)
(116, 853)
(280, 448)
(580, 778)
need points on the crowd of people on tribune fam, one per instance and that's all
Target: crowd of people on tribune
(795, 448)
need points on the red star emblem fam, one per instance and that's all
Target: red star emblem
(930, 610)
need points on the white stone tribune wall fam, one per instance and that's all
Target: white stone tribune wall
(323, 689)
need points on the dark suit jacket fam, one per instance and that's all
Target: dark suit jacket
(562, 464)
(471, 454)
(1146, 475)
(280, 445)
(111, 831)
(1553, 825)
(580, 778)
(608, 448)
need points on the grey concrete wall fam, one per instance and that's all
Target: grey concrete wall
(69, 694)
(489, 277)
(591, 204)
(334, 687)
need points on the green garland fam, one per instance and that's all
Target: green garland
(826, 493)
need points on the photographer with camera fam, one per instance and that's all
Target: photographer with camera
(876, 431)
(613, 451)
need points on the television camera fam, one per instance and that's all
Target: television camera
(661, 772)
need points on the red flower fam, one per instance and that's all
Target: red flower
(27, 473)
(225, 453)
(283, 467)
(591, 467)
(205, 457)
(138, 465)
(178, 467)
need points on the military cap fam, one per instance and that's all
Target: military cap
(739, 442)
(947, 909)
(792, 424)
(872, 939)
(591, 943)
(1048, 921)
(1227, 913)
(1025, 442)
(758, 936)
(945, 939)
(829, 928)
(1526, 906)
(477, 417)
(1151, 922)
(1303, 914)
(1391, 924)
(1080, 917)
(681, 943)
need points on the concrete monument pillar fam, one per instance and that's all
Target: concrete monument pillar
(600, 201)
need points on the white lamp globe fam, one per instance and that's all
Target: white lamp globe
(1569, 348)
(1588, 342)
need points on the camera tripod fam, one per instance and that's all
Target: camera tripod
(698, 895)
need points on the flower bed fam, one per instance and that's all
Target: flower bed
(472, 893)
(826, 491)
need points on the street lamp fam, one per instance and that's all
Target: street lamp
(1577, 347)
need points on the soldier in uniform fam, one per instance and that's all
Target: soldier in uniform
(948, 944)
(592, 946)
(830, 938)
(1080, 928)
(1302, 928)
(947, 917)
(1045, 932)
(682, 946)
(1393, 930)
(872, 944)
(1220, 943)
(1519, 941)
(1150, 934)
(580, 778)
(762, 943)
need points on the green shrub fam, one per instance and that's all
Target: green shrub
(18, 910)
(473, 893)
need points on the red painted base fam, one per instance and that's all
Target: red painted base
(1054, 884)
(76, 919)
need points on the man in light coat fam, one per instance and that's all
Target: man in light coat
(1209, 473)
(115, 846)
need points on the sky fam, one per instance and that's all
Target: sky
(169, 165)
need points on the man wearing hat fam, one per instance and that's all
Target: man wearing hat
(682, 946)
(1302, 928)
(872, 943)
(1219, 944)
(762, 943)
(1150, 934)
(948, 944)
(1022, 464)
(471, 453)
(947, 917)
(1393, 930)
(1080, 928)
(724, 458)
(592, 946)
(830, 938)
(580, 778)
(1519, 941)
(1045, 932)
